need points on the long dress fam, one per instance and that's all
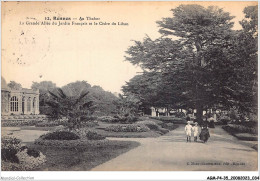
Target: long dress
(204, 135)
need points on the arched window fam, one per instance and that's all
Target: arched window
(29, 104)
(14, 104)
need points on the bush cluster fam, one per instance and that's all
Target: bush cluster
(90, 135)
(234, 128)
(10, 146)
(17, 158)
(127, 128)
(60, 135)
(30, 159)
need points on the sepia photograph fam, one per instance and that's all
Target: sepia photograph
(129, 86)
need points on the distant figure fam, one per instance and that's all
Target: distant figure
(195, 131)
(188, 129)
(204, 135)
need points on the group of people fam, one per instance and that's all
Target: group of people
(204, 133)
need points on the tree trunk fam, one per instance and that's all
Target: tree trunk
(199, 113)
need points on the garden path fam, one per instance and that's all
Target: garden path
(170, 152)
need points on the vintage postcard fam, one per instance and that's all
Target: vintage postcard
(129, 86)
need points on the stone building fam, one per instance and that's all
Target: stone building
(18, 101)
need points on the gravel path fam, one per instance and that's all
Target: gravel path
(170, 152)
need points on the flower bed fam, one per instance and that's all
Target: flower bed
(90, 135)
(128, 128)
(70, 143)
(15, 123)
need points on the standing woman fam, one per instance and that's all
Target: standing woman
(204, 135)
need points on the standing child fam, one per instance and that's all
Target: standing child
(188, 129)
(195, 131)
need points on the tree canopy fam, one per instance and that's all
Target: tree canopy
(198, 62)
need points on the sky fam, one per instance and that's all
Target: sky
(94, 53)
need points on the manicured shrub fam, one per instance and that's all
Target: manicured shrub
(9, 148)
(128, 128)
(108, 119)
(60, 135)
(85, 133)
(92, 135)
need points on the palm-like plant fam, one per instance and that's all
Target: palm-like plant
(71, 107)
(127, 106)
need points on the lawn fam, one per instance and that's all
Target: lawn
(82, 158)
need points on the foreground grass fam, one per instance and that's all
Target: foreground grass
(81, 158)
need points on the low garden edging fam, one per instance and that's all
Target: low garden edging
(127, 128)
(242, 132)
(70, 143)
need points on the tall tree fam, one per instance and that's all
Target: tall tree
(44, 87)
(14, 85)
(191, 53)
(245, 53)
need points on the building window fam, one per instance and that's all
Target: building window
(29, 104)
(14, 104)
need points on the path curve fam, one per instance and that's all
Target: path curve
(170, 152)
